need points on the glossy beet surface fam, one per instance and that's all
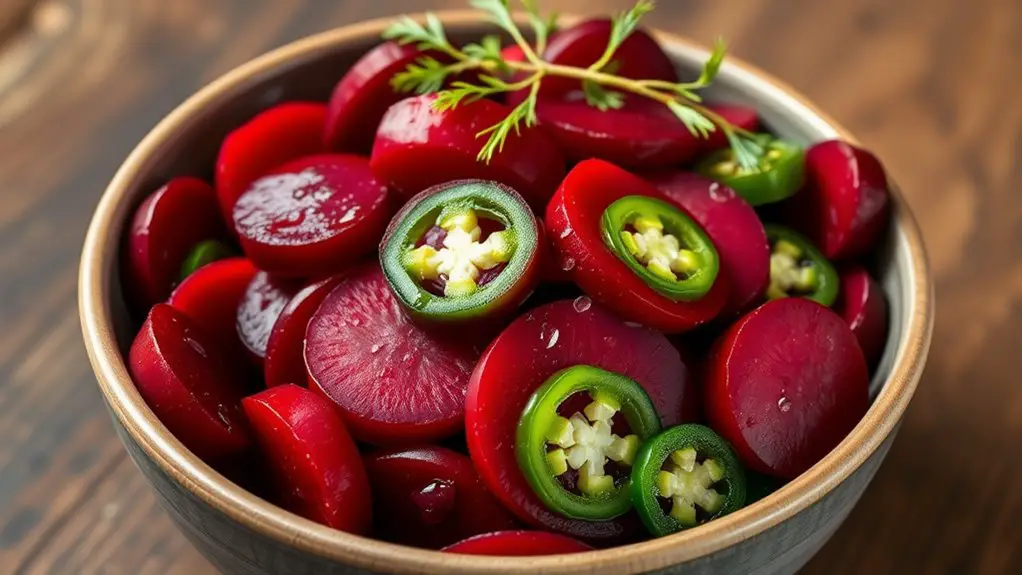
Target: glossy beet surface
(644, 134)
(273, 137)
(518, 543)
(785, 384)
(313, 216)
(188, 383)
(313, 460)
(260, 306)
(573, 224)
(845, 203)
(431, 497)
(530, 350)
(733, 226)
(861, 301)
(285, 349)
(395, 382)
(157, 242)
(363, 95)
(418, 147)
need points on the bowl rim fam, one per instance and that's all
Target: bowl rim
(202, 481)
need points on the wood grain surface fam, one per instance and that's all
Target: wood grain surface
(932, 86)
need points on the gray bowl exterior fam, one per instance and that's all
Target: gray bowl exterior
(234, 547)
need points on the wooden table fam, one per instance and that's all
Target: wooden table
(931, 85)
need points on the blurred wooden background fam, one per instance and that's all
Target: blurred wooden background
(932, 86)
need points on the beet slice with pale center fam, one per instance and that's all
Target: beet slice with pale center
(518, 543)
(260, 306)
(861, 301)
(285, 349)
(395, 382)
(534, 347)
(431, 497)
(186, 380)
(313, 216)
(785, 384)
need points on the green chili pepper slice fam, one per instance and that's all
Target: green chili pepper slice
(779, 174)
(204, 252)
(548, 444)
(663, 245)
(459, 209)
(692, 472)
(798, 269)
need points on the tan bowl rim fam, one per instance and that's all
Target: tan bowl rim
(172, 458)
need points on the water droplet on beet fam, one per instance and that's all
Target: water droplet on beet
(375, 348)
(784, 404)
(354, 321)
(719, 193)
(583, 303)
(566, 233)
(196, 346)
(568, 264)
(435, 501)
(552, 341)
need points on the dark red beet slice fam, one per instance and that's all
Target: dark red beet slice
(534, 347)
(644, 134)
(418, 147)
(157, 241)
(185, 379)
(785, 384)
(273, 137)
(732, 225)
(861, 301)
(844, 205)
(431, 497)
(210, 298)
(364, 94)
(313, 460)
(518, 543)
(396, 383)
(285, 348)
(260, 306)
(313, 216)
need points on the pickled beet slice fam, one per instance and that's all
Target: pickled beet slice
(534, 347)
(785, 384)
(157, 241)
(210, 298)
(573, 223)
(285, 348)
(363, 95)
(861, 301)
(314, 462)
(643, 134)
(732, 225)
(395, 382)
(273, 137)
(844, 205)
(418, 147)
(261, 304)
(431, 497)
(313, 216)
(518, 543)
(186, 380)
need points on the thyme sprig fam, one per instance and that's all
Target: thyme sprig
(602, 88)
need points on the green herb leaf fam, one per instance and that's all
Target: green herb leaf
(712, 66)
(696, 123)
(404, 30)
(541, 27)
(487, 50)
(499, 133)
(496, 12)
(424, 76)
(747, 151)
(601, 98)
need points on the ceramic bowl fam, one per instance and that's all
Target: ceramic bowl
(240, 533)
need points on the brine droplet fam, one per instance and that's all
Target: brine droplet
(784, 404)
(554, 335)
(355, 321)
(375, 348)
(582, 303)
(566, 233)
(196, 346)
(221, 412)
(568, 264)
(719, 194)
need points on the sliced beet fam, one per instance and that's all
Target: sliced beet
(518, 543)
(530, 350)
(157, 241)
(184, 377)
(285, 348)
(785, 384)
(844, 205)
(273, 137)
(260, 306)
(395, 382)
(861, 301)
(363, 95)
(431, 497)
(644, 134)
(734, 227)
(314, 462)
(418, 147)
(210, 298)
(313, 216)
